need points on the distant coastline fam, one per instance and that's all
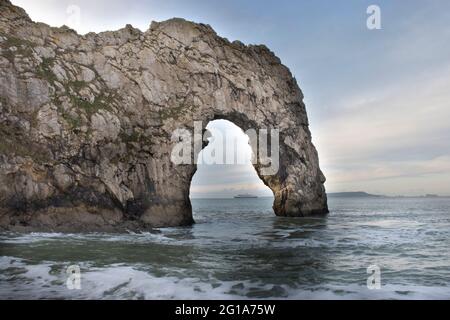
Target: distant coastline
(357, 194)
(350, 194)
(227, 198)
(362, 194)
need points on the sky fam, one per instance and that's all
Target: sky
(226, 180)
(378, 101)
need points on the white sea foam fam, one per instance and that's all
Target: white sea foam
(237, 254)
(126, 282)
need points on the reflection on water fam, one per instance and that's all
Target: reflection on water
(239, 249)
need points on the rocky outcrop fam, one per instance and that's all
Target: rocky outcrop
(86, 122)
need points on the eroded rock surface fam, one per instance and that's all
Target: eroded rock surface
(86, 122)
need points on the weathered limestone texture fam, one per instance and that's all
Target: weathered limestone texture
(86, 122)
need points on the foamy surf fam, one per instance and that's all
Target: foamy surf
(232, 253)
(47, 281)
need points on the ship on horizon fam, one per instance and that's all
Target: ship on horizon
(244, 196)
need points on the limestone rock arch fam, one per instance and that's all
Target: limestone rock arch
(86, 122)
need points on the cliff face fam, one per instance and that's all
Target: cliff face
(86, 122)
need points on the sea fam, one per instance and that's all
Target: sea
(366, 248)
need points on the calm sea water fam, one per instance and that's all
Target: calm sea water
(239, 249)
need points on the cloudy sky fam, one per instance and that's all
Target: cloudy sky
(378, 100)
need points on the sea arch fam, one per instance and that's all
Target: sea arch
(87, 122)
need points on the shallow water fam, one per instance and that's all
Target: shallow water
(239, 249)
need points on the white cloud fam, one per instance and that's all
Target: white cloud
(382, 136)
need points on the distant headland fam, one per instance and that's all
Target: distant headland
(354, 194)
(362, 194)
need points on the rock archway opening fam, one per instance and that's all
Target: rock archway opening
(225, 169)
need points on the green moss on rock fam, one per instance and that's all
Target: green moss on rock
(44, 70)
(100, 102)
(176, 112)
(23, 47)
(12, 144)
